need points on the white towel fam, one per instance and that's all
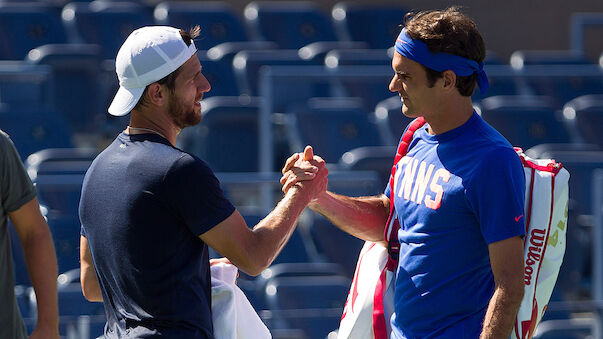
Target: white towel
(233, 315)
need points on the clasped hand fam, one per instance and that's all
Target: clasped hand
(307, 171)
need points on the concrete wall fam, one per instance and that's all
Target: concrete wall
(509, 25)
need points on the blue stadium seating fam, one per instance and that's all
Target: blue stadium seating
(66, 237)
(104, 23)
(311, 303)
(230, 126)
(318, 50)
(33, 130)
(370, 158)
(60, 161)
(390, 120)
(73, 303)
(248, 64)
(522, 58)
(585, 113)
(563, 82)
(332, 126)
(525, 121)
(220, 74)
(27, 25)
(377, 25)
(23, 85)
(219, 22)
(358, 57)
(289, 24)
(334, 245)
(76, 82)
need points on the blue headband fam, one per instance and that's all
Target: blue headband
(417, 50)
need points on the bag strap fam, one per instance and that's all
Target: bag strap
(393, 225)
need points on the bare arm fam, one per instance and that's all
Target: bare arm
(362, 217)
(88, 278)
(41, 261)
(253, 250)
(506, 259)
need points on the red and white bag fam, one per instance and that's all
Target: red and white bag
(546, 201)
(370, 301)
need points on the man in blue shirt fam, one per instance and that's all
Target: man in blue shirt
(149, 210)
(458, 192)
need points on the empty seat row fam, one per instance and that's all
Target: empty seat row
(108, 23)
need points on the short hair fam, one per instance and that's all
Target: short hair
(448, 31)
(170, 80)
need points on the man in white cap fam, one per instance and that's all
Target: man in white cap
(149, 210)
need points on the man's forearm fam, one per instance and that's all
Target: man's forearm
(362, 217)
(501, 314)
(42, 268)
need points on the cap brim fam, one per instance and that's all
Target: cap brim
(125, 100)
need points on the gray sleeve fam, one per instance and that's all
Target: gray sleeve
(16, 188)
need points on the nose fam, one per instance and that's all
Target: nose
(394, 84)
(203, 85)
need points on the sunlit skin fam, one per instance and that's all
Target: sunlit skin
(184, 103)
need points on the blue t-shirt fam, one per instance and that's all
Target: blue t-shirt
(455, 193)
(144, 203)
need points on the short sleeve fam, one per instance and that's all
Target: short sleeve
(497, 193)
(195, 193)
(16, 187)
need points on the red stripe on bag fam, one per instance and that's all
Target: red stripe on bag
(379, 321)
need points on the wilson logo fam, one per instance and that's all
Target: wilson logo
(535, 248)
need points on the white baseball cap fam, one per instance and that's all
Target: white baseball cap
(148, 55)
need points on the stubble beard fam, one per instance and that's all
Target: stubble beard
(181, 115)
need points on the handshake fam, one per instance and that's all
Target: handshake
(306, 173)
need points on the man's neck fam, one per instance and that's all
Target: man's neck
(153, 122)
(450, 116)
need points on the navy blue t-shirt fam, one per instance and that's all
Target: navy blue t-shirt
(144, 204)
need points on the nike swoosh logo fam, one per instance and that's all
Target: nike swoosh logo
(517, 218)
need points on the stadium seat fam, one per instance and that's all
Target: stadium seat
(311, 303)
(73, 303)
(332, 126)
(289, 24)
(522, 58)
(32, 130)
(59, 161)
(27, 25)
(230, 126)
(525, 121)
(585, 114)
(220, 74)
(105, 23)
(219, 22)
(23, 85)
(390, 120)
(358, 57)
(318, 50)
(371, 90)
(377, 25)
(563, 82)
(370, 158)
(248, 65)
(334, 245)
(76, 82)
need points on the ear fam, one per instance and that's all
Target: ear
(157, 94)
(449, 78)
